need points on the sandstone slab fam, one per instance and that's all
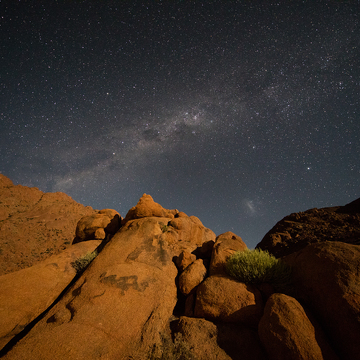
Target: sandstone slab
(35, 225)
(26, 293)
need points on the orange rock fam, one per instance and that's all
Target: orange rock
(225, 245)
(26, 293)
(224, 299)
(184, 260)
(147, 207)
(117, 308)
(286, 332)
(97, 226)
(35, 225)
(192, 276)
(200, 336)
(191, 227)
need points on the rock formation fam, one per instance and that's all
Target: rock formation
(158, 289)
(297, 230)
(34, 225)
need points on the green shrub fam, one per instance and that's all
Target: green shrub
(164, 228)
(258, 266)
(81, 263)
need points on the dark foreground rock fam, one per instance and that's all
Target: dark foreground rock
(327, 279)
(296, 231)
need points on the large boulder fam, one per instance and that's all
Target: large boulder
(200, 337)
(190, 227)
(326, 277)
(26, 293)
(286, 331)
(295, 231)
(147, 207)
(34, 225)
(210, 341)
(223, 299)
(225, 245)
(184, 260)
(97, 226)
(192, 276)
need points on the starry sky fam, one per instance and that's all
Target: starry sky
(237, 112)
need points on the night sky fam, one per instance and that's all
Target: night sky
(237, 112)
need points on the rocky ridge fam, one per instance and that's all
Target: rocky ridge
(159, 290)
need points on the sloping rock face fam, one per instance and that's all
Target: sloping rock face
(26, 293)
(296, 231)
(327, 279)
(122, 304)
(34, 225)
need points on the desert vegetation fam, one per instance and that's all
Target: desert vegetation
(81, 263)
(258, 266)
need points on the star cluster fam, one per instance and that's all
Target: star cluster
(236, 112)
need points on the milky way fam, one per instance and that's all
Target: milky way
(236, 112)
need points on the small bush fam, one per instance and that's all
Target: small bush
(258, 266)
(165, 228)
(81, 263)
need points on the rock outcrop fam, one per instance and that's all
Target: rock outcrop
(97, 226)
(286, 331)
(122, 303)
(326, 277)
(225, 245)
(219, 298)
(27, 293)
(34, 225)
(159, 289)
(296, 231)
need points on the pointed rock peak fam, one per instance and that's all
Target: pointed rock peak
(147, 207)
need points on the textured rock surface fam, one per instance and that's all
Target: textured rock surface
(34, 225)
(119, 306)
(184, 260)
(286, 332)
(225, 245)
(191, 227)
(97, 226)
(192, 276)
(295, 231)
(327, 278)
(26, 293)
(201, 337)
(147, 207)
(222, 299)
